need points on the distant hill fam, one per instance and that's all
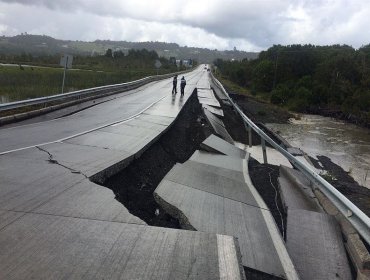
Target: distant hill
(45, 45)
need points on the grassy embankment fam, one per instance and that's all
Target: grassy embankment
(257, 106)
(17, 84)
(235, 88)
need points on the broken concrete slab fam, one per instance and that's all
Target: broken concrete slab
(209, 212)
(218, 91)
(314, 242)
(274, 157)
(218, 126)
(211, 183)
(294, 197)
(213, 119)
(89, 201)
(50, 247)
(218, 145)
(295, 176)
(209, 101)
(53, 188)
(205, 207)
(214, 110)
(224, 172)
(218, 160)
(295, 194)
(205, 93)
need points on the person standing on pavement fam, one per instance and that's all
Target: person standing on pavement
(174, 88)
(182, 85)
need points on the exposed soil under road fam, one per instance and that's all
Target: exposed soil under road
(265, 179)
(134, 186)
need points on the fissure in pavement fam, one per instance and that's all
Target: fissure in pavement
(135, 184)
(52, 160)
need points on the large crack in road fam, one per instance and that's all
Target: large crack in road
(134, 185)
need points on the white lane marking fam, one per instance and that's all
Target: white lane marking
(113, 97)
(228, 258)
(286, 262)
(84, 132)
(117, 124)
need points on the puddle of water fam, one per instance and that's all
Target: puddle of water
(345, 144)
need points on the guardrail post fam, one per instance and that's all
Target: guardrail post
(249, 130)
(263, 143)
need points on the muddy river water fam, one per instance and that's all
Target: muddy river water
(345, 144)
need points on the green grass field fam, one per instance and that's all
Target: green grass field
(17, 84)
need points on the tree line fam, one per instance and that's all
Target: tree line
(306, 78)
(110, 61)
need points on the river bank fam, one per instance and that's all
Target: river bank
(339, 150)
(361, 119)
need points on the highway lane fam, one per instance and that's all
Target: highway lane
(116, 110)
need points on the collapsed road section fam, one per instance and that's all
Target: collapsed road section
(55, 222)
(178, 203)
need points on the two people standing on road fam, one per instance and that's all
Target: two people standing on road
(182, 85)
(174, 88)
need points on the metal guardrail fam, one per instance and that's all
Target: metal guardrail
(85, 92)
(359, 220)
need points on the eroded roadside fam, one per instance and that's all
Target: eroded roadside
(262, 113)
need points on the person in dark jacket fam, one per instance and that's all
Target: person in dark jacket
(182, 85)
(174, 88)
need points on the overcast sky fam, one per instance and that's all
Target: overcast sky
(250, 25)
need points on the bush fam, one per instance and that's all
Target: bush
(281, 94)
(301, 101)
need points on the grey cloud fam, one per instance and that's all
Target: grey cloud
(258, 23)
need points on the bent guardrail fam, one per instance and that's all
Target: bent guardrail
(359, 220)
(84, 92)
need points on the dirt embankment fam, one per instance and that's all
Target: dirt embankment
(259, 111)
